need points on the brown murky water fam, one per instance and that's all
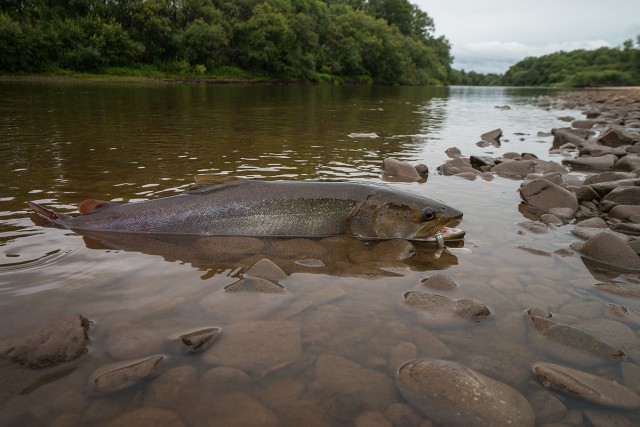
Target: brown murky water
(282, 356)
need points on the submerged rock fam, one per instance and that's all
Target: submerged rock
(115, 377)
(60, 342)
(397, 170)
(255, 284)
(440, 281)
(266, 269)
(199, 339)
(578, 346)
(586, 386)
(450, 394)
(256, 346)
(147, 417)
(437, 307)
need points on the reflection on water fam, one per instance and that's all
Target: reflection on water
(316, 333)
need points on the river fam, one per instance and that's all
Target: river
(282, 356)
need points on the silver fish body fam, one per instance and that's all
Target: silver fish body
(274, 208)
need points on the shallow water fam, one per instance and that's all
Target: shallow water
(62, 143)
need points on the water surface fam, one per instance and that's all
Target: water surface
(62, 143)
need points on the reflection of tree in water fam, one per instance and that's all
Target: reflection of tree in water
(101, 136)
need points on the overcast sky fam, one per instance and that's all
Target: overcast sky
(488, 36)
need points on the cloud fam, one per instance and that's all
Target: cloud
(497, 57)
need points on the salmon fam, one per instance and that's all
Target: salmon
(272, 209)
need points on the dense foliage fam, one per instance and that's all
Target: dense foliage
(386, 41)
(472, 78)
(600, 67)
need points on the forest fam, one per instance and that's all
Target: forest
(579, 68)
(371, 41)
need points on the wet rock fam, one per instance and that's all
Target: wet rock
(363, 135)
(255, 284)
(544, 195)
(609, 177)
(335, 374)
(534, 227)
(440, 282)
(593, 223)
(586, 386)
(625, 212)
(591, 232)
(310, 263)
(225, 380)
(573, 341)
(119, 376)
(583, 124)
(603, 163)
(266, 269)
(611, 331)
(147, 417)
(609, 249)
(515, 168)
(534, 251)
(453, 152)
(604, 188)
(397, 170)
(563, 136)
(450, 394)
(429, 345)
(172, 387)
(62, 341)
(620, 288)
(491, 136)
(622, 196)
(615, 137)
(199, 339)
(550, 219)
(278, 343)
(423, 170)
(436, 307)
(629, 163)
(133, 340)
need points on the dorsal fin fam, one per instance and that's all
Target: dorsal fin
(204, 180)
(90, 206)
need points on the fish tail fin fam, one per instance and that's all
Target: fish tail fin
(49, 215)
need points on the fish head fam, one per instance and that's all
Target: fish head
(402, 216)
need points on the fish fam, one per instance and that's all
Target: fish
(272, 209)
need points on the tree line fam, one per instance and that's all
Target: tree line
(579, 68)
(383, 41)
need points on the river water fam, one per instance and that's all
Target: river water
(341, 300)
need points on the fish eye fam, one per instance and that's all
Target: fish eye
(428, 214)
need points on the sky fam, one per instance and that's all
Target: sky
(488, 36)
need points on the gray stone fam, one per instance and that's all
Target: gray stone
(563, 136)
(397, 170)
(402, 415)
(608, 176)
(620, 288)
(609, 249)
(624, 212)
(440, 281)
(611, 331)
(256, 346)
(593, 223)
(266, 269)
(223, 379)
(615, 137)
(492, 136)
(239, 410)
(544, 195)
(515, 168)
(199, 339)
(623, 196)
(605, 162)
(606, 419)
(118, 376)
(629, 163)
(453, 152)
(437, 307)
(62, 341)
(583, 124)
(450, 394)
(586, 386)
